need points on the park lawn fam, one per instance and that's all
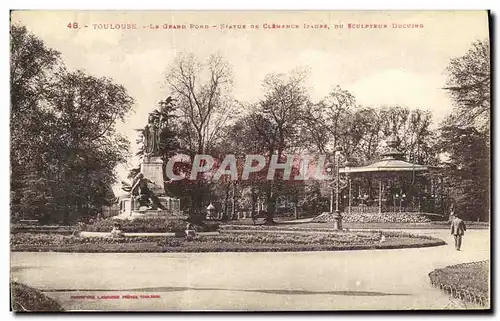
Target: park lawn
(27, 299)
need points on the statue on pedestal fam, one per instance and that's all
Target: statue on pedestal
(151, 140)
(147, 190)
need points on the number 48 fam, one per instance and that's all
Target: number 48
(73, 25)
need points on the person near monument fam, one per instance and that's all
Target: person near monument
(116, 231)
(190, 231)
(458, 229)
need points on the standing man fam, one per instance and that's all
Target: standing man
(457, 230)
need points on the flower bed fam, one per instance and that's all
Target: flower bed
(287, 228)
(27, 299)
(34, 239)
(234, 227)
(404, 217)
(268, 237)
(468, 281)
(237, 241)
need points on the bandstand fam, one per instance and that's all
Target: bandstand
(391, 185)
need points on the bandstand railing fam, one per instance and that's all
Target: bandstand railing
(385, 209)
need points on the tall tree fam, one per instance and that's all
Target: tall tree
(202, 90)
(466, 170)
(327, 120)
(63, 139)
(31, 66)
(31, 63)
(86, 147)
(464, 136)
(368, 125)
(469, 85)
(202, 94)
(277, 121)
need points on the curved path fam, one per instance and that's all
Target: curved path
(346, 280)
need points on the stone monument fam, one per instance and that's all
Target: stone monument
(147, 192)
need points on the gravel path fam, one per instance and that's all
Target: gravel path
(347, 280)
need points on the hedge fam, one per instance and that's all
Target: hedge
(468, 281)
(151, 225)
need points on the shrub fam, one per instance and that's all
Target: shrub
(386, 217)
(151, 225)
(27, 299)
(176, 226)
(206, 227)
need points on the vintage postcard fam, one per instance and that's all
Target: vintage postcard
(249, 160)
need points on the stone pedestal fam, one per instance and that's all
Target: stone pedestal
(152, 169)
(172, 210)
(126, 205)
(170, 203)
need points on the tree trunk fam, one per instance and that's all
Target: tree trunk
(233, 202)
(254, 200)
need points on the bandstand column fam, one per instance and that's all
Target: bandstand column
(380, 196)
(350, 196)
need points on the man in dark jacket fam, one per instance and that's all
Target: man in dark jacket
(457, 230)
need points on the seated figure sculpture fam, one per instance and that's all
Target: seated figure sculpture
(143, 195)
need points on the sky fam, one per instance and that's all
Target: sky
(380, 66)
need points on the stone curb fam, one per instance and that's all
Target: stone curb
(108, 234)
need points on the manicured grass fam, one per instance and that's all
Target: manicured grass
(27, 299)
(470, 281)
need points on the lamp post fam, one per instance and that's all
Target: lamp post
(329, 171)
(337, 217)
(337, 223)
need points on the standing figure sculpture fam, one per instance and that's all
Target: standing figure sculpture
(151, 138)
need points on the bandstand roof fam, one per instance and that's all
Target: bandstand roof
(392, 161)
(386, 165)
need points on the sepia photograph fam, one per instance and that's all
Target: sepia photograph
(250, 161)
